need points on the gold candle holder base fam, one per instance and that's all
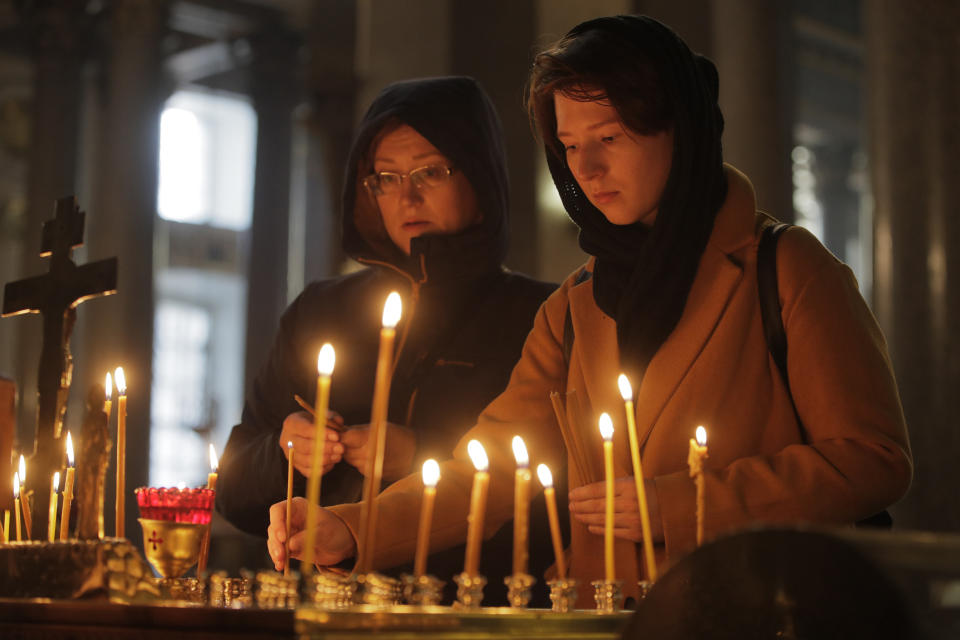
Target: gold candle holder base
(643, 587)
(469, 591)
(232, 593)
(563, 594)
(422, 590)
(277, 591)
(191, 590)
(608, 594)
(518, 589)
(378, 590)
(328, 590)
(172, 547)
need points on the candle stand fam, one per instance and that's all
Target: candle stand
(378, 590)
(276, 591)
(425, 590)
(327, 590)
(186, 590)
(469, 590)
(231, 593)
(608, 594)
(563, 594)
(518, 589)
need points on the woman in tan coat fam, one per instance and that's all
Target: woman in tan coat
(631, 126)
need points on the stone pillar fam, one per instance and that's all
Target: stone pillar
(273, 89)
(750, 46)
(913, 62)
(59, 33)
(502, 67)
(118, 330)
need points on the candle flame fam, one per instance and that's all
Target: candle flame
(69, 450)
(626, 391)
(520, 452)
(606, 426)
(23, 470)
(289, 444)
(214, 462)
(431, 473)
(701, 436)
(121, 381)
(181, 485)
(326, 360)
(16, 485)
(56, 481)
(478, 455)
(546, 478)
(108, 385)
(391, 310)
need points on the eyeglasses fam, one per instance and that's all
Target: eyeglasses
(384, 183)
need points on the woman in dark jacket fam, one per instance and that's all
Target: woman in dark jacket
(425, 208)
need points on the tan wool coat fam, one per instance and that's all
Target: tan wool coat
(848, 458)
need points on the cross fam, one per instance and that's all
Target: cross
(56, 295)
(155, 540)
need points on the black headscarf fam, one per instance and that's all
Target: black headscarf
(457, 117)
(643, 274)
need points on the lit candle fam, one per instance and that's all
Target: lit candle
(606, 431)
(286, 542)
(550, 496)
(698, 452)
(211, 484)
(478, 506)
(521, 506)
(25, 499)
(121, 450)
(16, 505)
(67, 491)
(325, 362)
(52, 514)
(431, 475)
(108, 388)
(626, 391)
(378, 424)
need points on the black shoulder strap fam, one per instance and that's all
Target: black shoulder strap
(770, 297)
(568, 336)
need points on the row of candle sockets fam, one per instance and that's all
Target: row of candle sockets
(22, 498)
(431, 475)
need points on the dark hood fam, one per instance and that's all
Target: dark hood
(457, 117)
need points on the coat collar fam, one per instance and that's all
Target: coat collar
(717, 278)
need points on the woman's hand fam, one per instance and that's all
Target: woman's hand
(333, 541)
(401, 444)
(587, 504)
(299, 428)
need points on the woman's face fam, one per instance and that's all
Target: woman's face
(622, 172)
(413, 210)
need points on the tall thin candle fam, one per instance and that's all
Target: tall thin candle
(67, 491)
(52, 514)
(25, 500)
(325, 363)
(107, 401)
(550, 496)
(392, 309)
(478, 507)
(211, 484)
(121, 451)
(289, 523)
(6, 526)
(698, 452)
(606, 431)
(16, 505)
(626, 391)
(521, 507)
(431, 475)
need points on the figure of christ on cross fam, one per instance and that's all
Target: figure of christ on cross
(56, 295)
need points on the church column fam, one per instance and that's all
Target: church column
(58, 33)
(913, 62)
(750, 47)
(274, 92)
(120, 222)
(502, 68)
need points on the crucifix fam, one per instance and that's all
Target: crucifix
(56, 295)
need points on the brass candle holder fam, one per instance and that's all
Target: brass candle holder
(563, 594)
(378, 590)
(469, 590)
(423, 590)
(328, 590)
(172, 548)
(277, 591)
(518, 589)
(608, 594)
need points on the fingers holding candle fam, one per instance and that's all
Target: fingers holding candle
(333, 542)
(588, 505)
(300, 429)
